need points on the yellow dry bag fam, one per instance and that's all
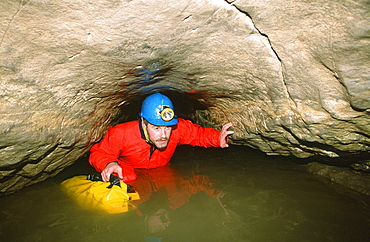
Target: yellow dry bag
(90, 192)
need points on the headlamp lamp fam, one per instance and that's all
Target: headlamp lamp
(167, 114)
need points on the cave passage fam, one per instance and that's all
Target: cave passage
(70, 69)
(185, 105)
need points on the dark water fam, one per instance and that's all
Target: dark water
(266, 199)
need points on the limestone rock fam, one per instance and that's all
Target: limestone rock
(293, 77)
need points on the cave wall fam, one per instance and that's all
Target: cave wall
(292, 76)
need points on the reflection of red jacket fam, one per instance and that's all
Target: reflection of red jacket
(178, 188)
(124, 144)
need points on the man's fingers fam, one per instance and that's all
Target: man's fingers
(225, 132)
(105, 175)
(119, 173)
(226, 126)
(229, 132)
(224, 135)
(111, 168)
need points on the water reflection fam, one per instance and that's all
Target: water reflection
(205, 195)
(163, 190)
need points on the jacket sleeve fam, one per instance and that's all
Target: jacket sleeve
(107, 150)
(196, 135)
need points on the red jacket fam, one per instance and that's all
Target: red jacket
(124, 144)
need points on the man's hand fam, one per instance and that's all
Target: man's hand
(224, 135)
(112, 167)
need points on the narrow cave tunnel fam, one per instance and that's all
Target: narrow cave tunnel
(219, 62)
(291, 77)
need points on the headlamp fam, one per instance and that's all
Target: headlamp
(167, 114)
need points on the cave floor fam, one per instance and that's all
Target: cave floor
(266, 199)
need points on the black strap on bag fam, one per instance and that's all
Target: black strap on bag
(114, 180)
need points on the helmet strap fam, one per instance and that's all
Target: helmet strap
(145, 131)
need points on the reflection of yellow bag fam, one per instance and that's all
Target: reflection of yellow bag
(99, 195)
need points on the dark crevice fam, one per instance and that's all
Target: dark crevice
(344, 160)
(155, 76)
(263, 34)
(270, 44)
(185, 105)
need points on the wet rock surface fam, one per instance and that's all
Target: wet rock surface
(293, 77)
(355, 180)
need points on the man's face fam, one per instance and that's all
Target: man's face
(159, 135)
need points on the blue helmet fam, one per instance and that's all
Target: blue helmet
(157, 109)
